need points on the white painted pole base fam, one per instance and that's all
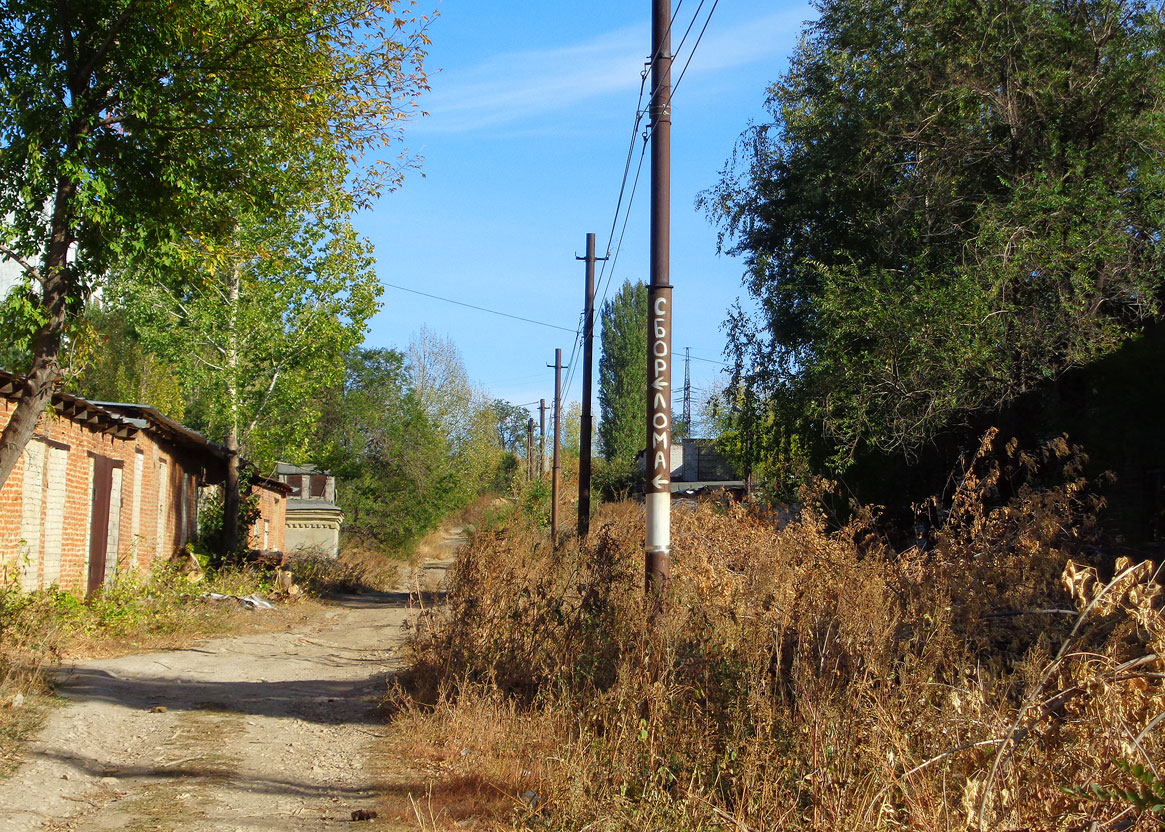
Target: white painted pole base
(658, 505)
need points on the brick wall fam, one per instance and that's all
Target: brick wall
(268, 532)
(46, 504)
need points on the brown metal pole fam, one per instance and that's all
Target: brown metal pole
(530, 449)
(542, 437)
(558, 432)
(555, 470)
(657, 486)
(586, 426)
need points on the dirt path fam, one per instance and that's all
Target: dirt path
(260, 732)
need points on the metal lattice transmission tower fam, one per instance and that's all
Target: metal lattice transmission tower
(688, 390)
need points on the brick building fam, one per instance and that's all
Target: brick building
(105, 487)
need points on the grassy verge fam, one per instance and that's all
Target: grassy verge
(138, 613)
(802, 677)
(133, 614)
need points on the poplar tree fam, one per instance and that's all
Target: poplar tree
(623, 374)
(257, 330)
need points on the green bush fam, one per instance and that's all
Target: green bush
(615, 479)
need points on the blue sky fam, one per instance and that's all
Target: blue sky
(530, 118)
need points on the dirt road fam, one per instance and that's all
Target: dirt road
(260, 732)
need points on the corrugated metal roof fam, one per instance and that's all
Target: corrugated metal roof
(124, 419)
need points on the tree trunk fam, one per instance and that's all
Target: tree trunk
(45, 374)
(230, 505)
(232, 534)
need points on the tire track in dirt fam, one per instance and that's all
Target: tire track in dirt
(258, 732)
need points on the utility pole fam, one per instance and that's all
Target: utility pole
(530, 450)
(584, 451)
(542, 435)
(555, 470)
(688, 392)
(657, 486)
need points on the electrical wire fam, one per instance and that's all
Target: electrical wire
(479, 308)
(651, 130)
(695, 46)
(688, 31)
(692, 54)
(605, 278)
(623, 231)
(640, 112)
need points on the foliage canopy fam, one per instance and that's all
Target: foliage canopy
(130, 129)
(955, 201)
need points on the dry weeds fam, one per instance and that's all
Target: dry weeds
(357, 568)
(804, 678)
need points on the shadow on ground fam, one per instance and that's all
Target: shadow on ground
(323, 701)
(375, 599)
(326, 701)
(236, 781)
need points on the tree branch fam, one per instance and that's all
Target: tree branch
(107, 44)
(31, 270)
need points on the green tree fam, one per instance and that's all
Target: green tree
(571, 445)
(257, 333)
(117, 367)
(125, 126)
(955, 201)
(623, 374)
(511, 421)
(396, 480)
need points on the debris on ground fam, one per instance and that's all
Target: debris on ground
(186, 564)
(250, 602)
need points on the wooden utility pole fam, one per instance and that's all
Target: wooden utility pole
(530, 450)
(657, 486)
(542, 435)
(556, 469)
(586, 431)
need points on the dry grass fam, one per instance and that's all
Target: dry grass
(803, 677)
(357, 568)
(468, 760)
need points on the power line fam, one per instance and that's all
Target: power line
(688, 31)
(618, 207)
(692, 54)
(480, 308)
(695, 46)
(646, 138)
(605, 278)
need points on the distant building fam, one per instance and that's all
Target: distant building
(10, 275)
(313, 518)
(696, 466)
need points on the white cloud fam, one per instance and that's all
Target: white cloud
(514, 88)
